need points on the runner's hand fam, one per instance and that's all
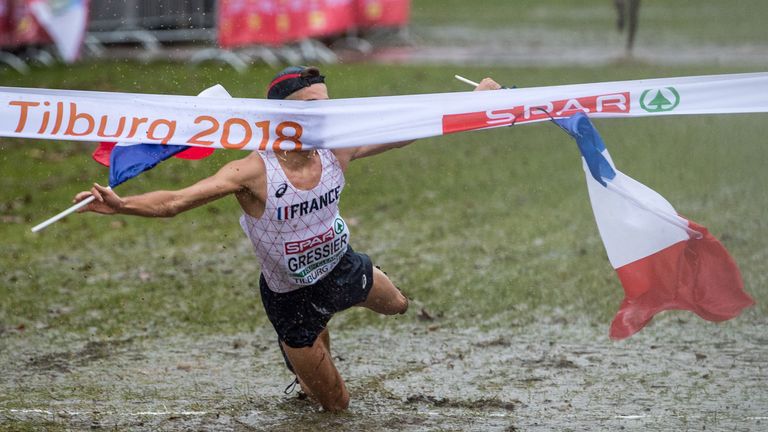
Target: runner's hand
(488, 84)
(106, 202)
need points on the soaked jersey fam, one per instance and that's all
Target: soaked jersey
(301, 236)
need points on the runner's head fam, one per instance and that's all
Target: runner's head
(298, 83)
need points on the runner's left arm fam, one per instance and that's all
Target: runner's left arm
(348, 155)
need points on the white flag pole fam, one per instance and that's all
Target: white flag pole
(464, 80)
(474, 84)
(65, 213)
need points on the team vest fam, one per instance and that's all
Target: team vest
(301, 236)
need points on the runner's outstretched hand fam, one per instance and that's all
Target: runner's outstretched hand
(106, 202)
(488, 84)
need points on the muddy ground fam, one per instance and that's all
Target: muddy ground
(679, 374)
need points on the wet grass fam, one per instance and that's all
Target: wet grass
(480, 227)
(662, 22)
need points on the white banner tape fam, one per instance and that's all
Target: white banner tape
(269, 124)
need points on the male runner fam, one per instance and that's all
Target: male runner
(290, 214)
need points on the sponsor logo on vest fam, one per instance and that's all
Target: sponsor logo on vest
(338, 225)
(301, 264)
(281, 190)
(304, 208)
(659, 99)
(296, 247)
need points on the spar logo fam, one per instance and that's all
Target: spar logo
(606, 103)
(659, 99)
(301, 246)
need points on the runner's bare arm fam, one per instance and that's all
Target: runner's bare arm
(229, 179)
(347, 155)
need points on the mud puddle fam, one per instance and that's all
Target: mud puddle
(675, 375)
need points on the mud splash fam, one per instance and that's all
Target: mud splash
(545, 376)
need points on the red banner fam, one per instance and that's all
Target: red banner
(6, 26)
(26, 29)
(383, 13)
(246, 22)
(275, 22)
(328, 17)
(17, 25)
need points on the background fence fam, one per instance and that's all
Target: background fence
(274, 31)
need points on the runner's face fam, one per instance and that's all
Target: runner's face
(314, 92)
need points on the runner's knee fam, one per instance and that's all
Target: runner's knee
(386, 298)
(402, 303)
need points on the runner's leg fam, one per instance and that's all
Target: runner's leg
(325, 337)
(318, 375)
(384, 297)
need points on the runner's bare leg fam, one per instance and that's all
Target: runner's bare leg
(325, 337)
(384, 297)
(317, 374)
(314, 366)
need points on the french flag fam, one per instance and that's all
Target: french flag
(664, 261)
(126, 161)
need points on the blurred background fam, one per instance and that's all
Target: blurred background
(274, 32)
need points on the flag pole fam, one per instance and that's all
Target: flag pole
(41, 226)
(474, 84)
(466, 81)
(63, 214)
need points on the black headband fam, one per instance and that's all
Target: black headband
(293, 79)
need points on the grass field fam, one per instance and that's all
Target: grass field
(681, 22)
(130, 323)
(488, 188)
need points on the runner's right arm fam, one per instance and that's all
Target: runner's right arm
(230, 179)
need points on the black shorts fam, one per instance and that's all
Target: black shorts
(300, 316)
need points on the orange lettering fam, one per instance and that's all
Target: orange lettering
(46, 116)
(135, 126)
(264, 126)
(23, 115)
(59, 117)
(248, 133)
(103, 126)
(281, 136)
(170, 124)
(74, 117)
(214, 127)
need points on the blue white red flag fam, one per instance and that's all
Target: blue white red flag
(65, 21)
(126, 161)
(663, 260)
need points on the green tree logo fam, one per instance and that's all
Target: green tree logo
(658, 100)
(339, 226)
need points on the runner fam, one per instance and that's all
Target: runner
(290, 203)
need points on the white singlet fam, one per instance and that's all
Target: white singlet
(301, 236)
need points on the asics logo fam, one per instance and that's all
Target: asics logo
(281, 190)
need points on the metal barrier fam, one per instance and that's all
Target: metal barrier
(151, 15)
(151, 22)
